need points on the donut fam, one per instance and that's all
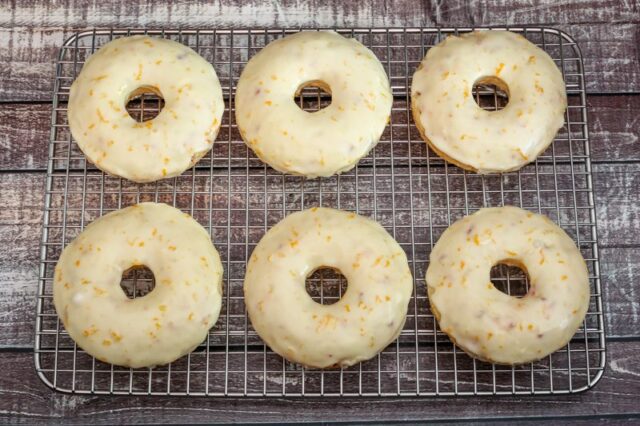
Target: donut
(160, 148)
(491, 325)
(321, 143)
(160, 327)
(371, 312)
(461, 132)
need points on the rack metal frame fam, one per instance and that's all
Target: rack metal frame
(402, 184)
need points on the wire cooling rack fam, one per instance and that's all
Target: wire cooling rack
(413, 193)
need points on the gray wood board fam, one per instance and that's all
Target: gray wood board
(21, 394)
(31, 32)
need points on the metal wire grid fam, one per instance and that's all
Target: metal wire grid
(413, 193)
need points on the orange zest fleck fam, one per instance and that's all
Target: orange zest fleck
(139, 74)
(524, 157)
(101, 117)
(90, 331)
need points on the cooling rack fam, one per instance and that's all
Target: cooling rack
(403, 185)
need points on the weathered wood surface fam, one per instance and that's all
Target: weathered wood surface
(30, 35)
(31, 32)
(616, 396)
(613, 130)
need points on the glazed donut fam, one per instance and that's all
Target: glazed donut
(491, 325)
(160, 148)
(459, 130)
(324, 142)
(368, 317)
(165, 324)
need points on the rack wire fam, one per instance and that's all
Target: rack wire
(403, 185)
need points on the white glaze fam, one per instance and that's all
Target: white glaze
(165, 324)
(321, 143)
(486, 141)
(371, 312)
(490, 324)
(159, 148)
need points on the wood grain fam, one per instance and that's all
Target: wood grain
(28, 51)
(619, 267)
(31, 32)
(20, 227)
(617, 191)
(21, 394)
(613, 129)
(614, 126)
(24, 136)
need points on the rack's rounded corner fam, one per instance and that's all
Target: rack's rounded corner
(43, 377)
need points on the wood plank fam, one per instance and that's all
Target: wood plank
(458, 11)
(38, 13)
(31, 32)
(24, 136)
(617, 191)
(23, 399)
(20, 227)
(620, 269)
(614, 124)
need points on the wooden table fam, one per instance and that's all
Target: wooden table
(31, 32)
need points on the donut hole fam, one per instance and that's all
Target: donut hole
(313, 96)
(510, 278)
(145, 103)
(137, 281)
(326, 285)
(490, 93)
